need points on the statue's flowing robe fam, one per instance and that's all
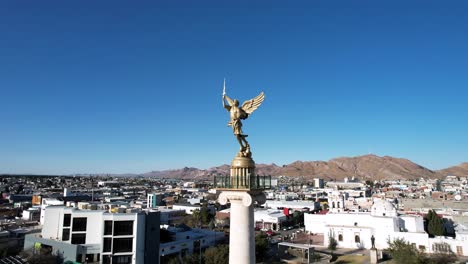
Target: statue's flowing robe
(236, 126)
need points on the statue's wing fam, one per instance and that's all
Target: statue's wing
(251, 105)
(229, 100)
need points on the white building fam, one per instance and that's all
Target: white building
(297, 205)
(97, 236)
(32, 214)
(355, 229)
(269, 219)
(189, 209)
(187, 241)
(153, 200)
(45, 202)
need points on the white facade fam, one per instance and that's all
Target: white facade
(269, 219)
(189, 209)
(47, 202)
(153, 200)
(184, 241)
(354, 230)
(336, 202)
(88, 229)
(296, 205)
(32, 214)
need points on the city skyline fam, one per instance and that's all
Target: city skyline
(115, 87)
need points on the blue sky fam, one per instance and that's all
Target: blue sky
(125, 86)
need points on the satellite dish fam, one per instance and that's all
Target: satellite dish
(458, 197)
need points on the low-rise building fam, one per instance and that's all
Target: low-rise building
(97, 236)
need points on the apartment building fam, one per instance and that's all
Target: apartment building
(98, 236)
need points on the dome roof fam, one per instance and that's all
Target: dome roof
(383, 208)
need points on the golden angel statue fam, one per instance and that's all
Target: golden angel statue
(240, 113)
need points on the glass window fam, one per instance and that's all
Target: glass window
(66, 219)
(79, 223)
(340, 237)
(123, 228)
(106, 259)
(357, 239)
(107, 244)
(122, 245)
(66, 234)
(78, 239)
(122, 259)
(107, 227)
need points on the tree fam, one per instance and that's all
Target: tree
(217, 255)
(261, 246)
(403, 252)
(212, 224)
(332, 243)
(196, 218)
(298, 217)
(438, 185)
(205, 215)
(435, 224)
(441, 258)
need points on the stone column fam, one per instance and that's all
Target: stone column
(242, 233)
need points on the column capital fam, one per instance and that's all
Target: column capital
(247, 198)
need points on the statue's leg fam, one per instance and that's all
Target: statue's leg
(239, 139)
(245, 141)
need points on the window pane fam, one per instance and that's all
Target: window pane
(107, 227)
(78, 239)
(66, 234)
(122, 245)
(107, 244)
(79, 223)
(66, 219)
(122, 259)
(122, 228)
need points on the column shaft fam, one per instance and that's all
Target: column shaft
(242, 235)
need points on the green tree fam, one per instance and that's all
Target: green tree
(298, 217)
(438, 185)
(332, 243)
(205, 215)
(196, 218)
(212, 224)
(435, 224)
(403, 252)
(370, 183)
(217, 255)
(261, 246)
(441, 258)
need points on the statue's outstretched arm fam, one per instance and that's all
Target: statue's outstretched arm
(229, 100)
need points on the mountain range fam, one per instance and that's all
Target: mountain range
(367, 167)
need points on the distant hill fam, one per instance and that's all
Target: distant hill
(367, 167)
(459, 170)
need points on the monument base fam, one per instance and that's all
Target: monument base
(374, 256)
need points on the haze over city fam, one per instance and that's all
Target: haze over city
(117, 87)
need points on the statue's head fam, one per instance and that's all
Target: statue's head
(236, 102)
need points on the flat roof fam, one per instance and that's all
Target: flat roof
(302, 246)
